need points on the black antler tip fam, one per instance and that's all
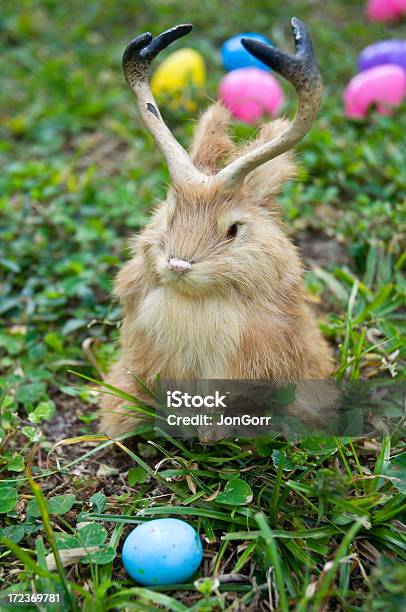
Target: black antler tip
(298, 28)
(266, 53)
(249, 43)
(303, 42)
(187, 27)
(164, 39)
(134, 47)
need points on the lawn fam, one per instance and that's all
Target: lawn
(79, 175)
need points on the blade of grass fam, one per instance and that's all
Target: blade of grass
(176, 510)
(139, 431)
(381, 464)
(25, 558)
(273, 509)
(42, 505)
(274, 554)
(317, 534)
(46, 583)
(244, 558)
(139, 406)
(150, 471)
(147, 596)
(342, 551)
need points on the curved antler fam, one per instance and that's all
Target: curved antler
(299, 69)
(302, 72)
(137, 58)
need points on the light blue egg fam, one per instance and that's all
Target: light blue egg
(162, 551)
(234, 55)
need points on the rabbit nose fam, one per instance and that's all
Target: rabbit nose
(179, 265)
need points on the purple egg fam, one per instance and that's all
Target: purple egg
(384, 52)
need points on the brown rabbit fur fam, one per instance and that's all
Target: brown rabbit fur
(241, 311)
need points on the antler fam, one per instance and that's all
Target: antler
(302, 72)
(299, 69)
(136, 61)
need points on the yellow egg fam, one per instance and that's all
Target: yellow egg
(180, 70)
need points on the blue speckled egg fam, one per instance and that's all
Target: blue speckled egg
(234, 55)
(162, 551)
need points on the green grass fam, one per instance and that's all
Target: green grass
(79, 176)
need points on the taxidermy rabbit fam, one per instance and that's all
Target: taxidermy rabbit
(214, 288)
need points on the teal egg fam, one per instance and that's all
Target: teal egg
(162, 551)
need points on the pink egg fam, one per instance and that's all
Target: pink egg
(249, 93)
(382, 86)
(385, 10)
(401, 4)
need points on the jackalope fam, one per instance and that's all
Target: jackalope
(214, 288)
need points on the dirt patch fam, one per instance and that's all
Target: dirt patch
(319, 249)
(83, 476)
(66, 422)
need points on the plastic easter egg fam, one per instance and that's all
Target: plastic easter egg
(178, 71)
(162, 551)
(385, 11)
(382, 86)
(250, 93)
(234, 55)
(384, 52)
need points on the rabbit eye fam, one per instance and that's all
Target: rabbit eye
(232, 230)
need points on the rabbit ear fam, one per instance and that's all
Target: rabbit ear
(267, 180)
(211, 142)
